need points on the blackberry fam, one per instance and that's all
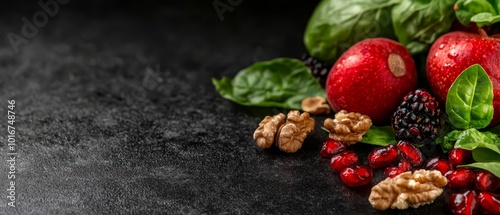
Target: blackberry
(318, 69)
(418, 118)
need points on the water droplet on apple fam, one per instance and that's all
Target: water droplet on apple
(453, 53)
(442, 46)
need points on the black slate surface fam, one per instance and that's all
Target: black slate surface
(116, 114)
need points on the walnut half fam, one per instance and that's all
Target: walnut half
(288, 135)
(407, 190)
(265, 133)
(293, 133)
(348, 127)
(315, 105)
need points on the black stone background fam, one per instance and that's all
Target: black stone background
(116, 114)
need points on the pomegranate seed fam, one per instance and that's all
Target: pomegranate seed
(403, 166)
(343, 160)
(383, 156)
(463, 203)
(332, 147)
(438, 164)
(489, 203)
(485, 181)
(458, 156)
(460, 178)
(357, 175)
(410, 152)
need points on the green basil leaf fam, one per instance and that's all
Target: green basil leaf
(450, 139)
(336, 25)
(418, 23)
(471, 139)
(485, 155)
(466, 9)
(496, 5)
(494, 137)
(493, 167)
(282, 82)
(469, 103)
(380, 136)
(485, 18)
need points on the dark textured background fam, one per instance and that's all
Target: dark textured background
(116, 114)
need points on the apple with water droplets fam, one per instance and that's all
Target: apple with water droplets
(456, 51)
(371, 78)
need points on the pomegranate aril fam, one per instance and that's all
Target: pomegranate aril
(458, 156)
(383, 156)
(332, 147)
(486, 181)
(343, 160)
(438, 164)
(460, 178)
(410, 152)
(463, 203)
(489, 203)
(357, 175)
(393, 171)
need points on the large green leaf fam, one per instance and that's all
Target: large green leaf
(418, 23)
(469, 103)
(282, 82)
(337, 25)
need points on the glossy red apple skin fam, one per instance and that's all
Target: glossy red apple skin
(361, 80)
(455, 51)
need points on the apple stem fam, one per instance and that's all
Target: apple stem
(482, 32)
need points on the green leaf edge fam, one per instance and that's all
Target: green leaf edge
(479, 165)
(387, 131)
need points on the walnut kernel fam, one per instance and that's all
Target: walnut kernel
(264, 135)
(407, 190)
(288, 135)
(348, 127)
(292, 134)
(315, 105)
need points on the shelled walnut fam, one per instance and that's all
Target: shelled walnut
(293, 133)
(288, 135)
(407, 190)
(348, 127)
(264, 135)
(315, 105)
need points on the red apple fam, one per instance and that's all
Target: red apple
(455, 51)
(371, 78)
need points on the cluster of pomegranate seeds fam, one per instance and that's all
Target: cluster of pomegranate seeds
(474, 189)
(405, 152)
(468, 202)
(485, 201)
(346, 162)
